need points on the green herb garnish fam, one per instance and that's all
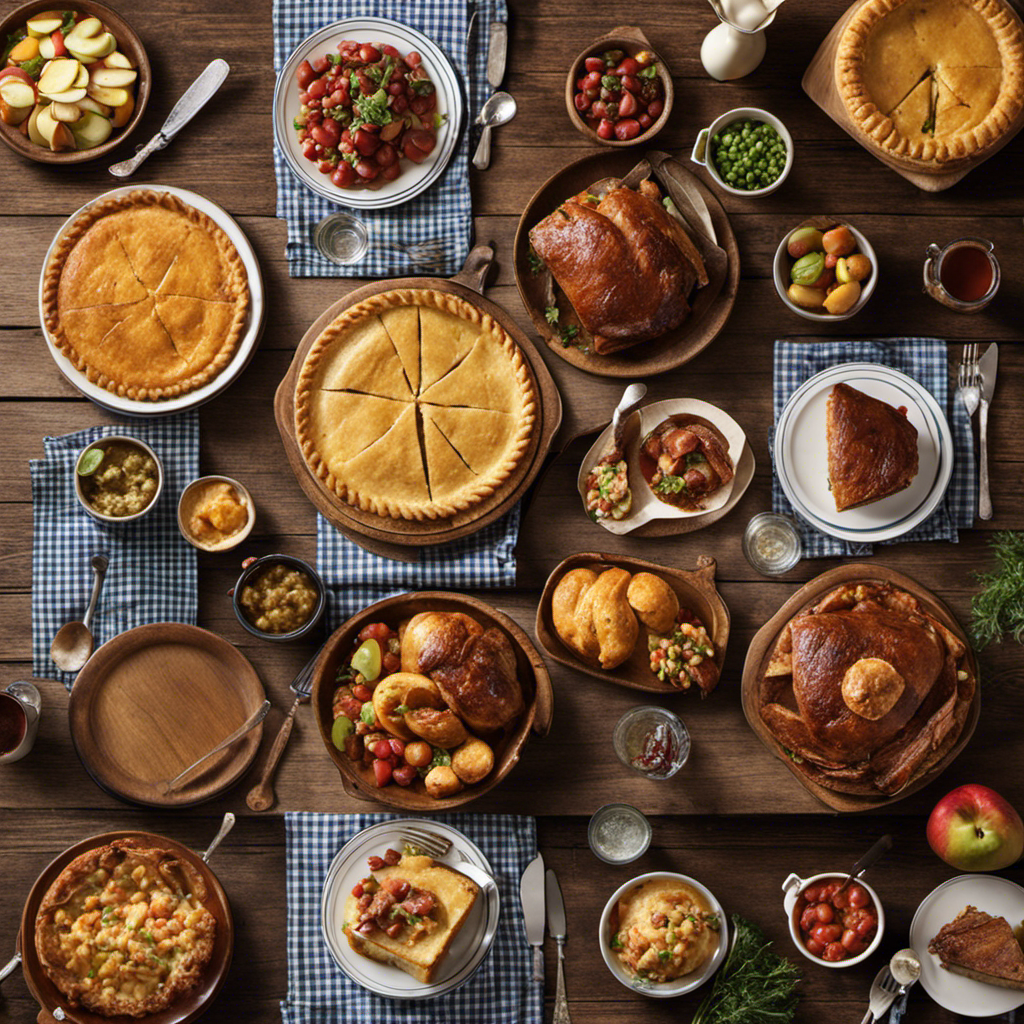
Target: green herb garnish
(67, 22)
(148, 936)
(670, 484)
(998, 607)
(32, 67)
(91, 974)
(402, 709)
(335, 58)
(422, 86)
(372, 109)
(651, 71)
(536, 263)
(611, 82)
(10, 43)
(664, 954)
(567, 333)
(616, 942)
(441, 758)
(551, 314)
(928, 127)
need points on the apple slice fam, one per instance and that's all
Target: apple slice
(117, 60)
(88, 103)
(43, 24)
(95, 48)
(45, 125)
(66, 112)
(113, 78)
(86, 28)
(17, 94)
(24, 76)
(13, 115)
(71, 96)
(46, 48)
(112, 97)
(27, 49)
(58, 76)
(83, 78)
(92, 130)
(33, 131)
(124, 112)
(62, 138)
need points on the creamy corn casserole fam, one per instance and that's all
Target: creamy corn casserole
(123, 929)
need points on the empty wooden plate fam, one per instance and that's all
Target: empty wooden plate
(152, 701)
(695, 590)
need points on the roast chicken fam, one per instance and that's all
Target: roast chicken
(627, 266)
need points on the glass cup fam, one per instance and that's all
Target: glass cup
(619, 834)
(939, 266)
(19, 721)
(341, 238)
(772, 543)
(652, 741)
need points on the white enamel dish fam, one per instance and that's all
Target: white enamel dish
(801, 455)
(415, 178)
(990, 893)
(469, 948)
(247, 344)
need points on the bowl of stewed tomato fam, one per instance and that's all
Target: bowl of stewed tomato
(619, 91)
(831, 922)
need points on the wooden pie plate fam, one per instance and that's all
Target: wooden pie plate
(694, 588)
(676, 347)
(152, 701)
(392, 537)
(819, 83)
(357, 780)
(191, 1004)
(759, 654)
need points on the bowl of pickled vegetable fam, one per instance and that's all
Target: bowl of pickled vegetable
(747, 152)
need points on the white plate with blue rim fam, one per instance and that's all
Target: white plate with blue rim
(415, 178)
(801, 454)
(470, 946)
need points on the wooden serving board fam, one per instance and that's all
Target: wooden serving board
(760, 651)
(190, 1005)
(677, 346)
(152, 701)
(819, 83)
(394, 537)
(695, 589)
(358, 779)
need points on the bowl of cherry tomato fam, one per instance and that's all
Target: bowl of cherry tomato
(833, 924)
(619, 91)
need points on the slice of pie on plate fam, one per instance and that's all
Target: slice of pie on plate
(146, 295)
(979, 946)
(872, 448)
(932, 81)
(414, 404)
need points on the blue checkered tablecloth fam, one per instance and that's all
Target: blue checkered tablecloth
(356, 578)
(501, 991)
(152, 572)
(443, 213)
(926, 360)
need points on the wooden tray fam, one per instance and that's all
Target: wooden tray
(357, 780)
(761, 647)
(392, 537)
(152, 701)
(191, 1004)
(670, 350)
(695, 589)
(819, 83)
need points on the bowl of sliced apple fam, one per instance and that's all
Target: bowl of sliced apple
(74, 81)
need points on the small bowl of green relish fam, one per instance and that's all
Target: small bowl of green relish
(747, 151)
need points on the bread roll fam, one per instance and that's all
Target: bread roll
(592, 616)
(654, 602)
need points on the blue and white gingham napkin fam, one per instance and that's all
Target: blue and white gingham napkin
(443, 214)
(926, 360)
(356, 578)
(152, 572)
(501, 991)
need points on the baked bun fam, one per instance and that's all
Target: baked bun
(592, 616)
(654, 602)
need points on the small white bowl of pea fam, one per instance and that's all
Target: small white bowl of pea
(747, 151)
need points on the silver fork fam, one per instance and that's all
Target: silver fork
(968, 379)
(425, 254)
(884, 990)
(437, 847)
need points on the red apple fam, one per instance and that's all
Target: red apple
(975, 829)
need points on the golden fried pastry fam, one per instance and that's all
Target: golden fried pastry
(404, 690)
(871, 688)
(441, 781)
(654, 602)
(592, 615)
(473, 761)
(440, 728)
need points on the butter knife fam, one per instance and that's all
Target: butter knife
(196, 96)
(556, 926)
(497, 54)
(987, 365)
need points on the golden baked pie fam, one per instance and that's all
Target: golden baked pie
(979, 946)
(414, 404)
(932, 81)
(124, 929)
(146, 295)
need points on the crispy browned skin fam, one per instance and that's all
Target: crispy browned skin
(626, 265)
(872, 448)
(981, 947)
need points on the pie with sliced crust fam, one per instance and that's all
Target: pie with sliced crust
(146, 295)
(414, 404)
(932, 81)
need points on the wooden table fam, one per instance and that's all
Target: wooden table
(734, 817)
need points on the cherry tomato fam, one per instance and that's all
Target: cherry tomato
(630, 83)
(824, 913)
(369, 54)
(367, 170)
(309, 149)
(405, 775)
(399, 104)
(320, 64)
(418, 754)
(654, 108)
(390, 173)
(808, 918)
(628, 105)
(344, 175)
(382, 772)
(394, 88)
(419, 105)
(840, 900)
(397, 746)
(866, 927)
(325, 167)
(304, 75)
(594, 64)
(816, 948)
(366, 143)
(605, 129)
(852, 942)
(627, 129)
(859, 896)
(627, 66)
(357, 890)
(645, 121)
(812, 894)
(413, 59)
(386, 156)
(826, 933)
(390, 51)
(833, 952)
(375, 631)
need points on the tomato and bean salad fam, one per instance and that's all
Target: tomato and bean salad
(620, 96)
(365, 110)
(836, 925)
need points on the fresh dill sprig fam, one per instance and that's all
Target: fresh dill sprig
(998, 608)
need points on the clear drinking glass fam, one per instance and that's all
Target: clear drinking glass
(652, 741)
(341, 238)
(619, 834)
(772, 543)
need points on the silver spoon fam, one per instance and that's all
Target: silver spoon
(631, 398)
(906, 968)
(72, 646)
(499, 109)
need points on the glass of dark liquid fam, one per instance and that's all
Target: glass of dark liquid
(963, 275)
(19, 721)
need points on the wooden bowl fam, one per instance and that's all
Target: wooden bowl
(760, 651)
(630, 39)
(191, 1004)
(357, 779)
(128, 43)
(695, 589)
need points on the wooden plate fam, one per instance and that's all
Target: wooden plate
(191, 1004)
(357, 780)
(358, 525)
(695, 589)
(819, 83)
(759, 654)
(152, 701)
(670, 350)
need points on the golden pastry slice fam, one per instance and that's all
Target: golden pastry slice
(447, 473)
(403, 326)
(348, 422)
(482, 437)
(363, 358)
(480, 380)
(450, 339)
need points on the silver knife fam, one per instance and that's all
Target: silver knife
(531, 895)
(556, 925)
(988, 365)
(497, 52)
(196, 96)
